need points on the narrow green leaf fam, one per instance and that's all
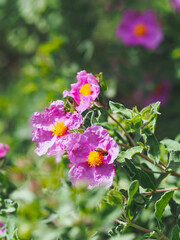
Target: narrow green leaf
(175, 234)
(120, 108)
(153, 150)
(171, 145)
(132, 191)
(162, 203)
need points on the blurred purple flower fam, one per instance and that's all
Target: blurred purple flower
(84, 91)
(51, 129)
(160, 93)
(176, 4)
(139, 28)
(92, 155)
(4, 149)
(2, 229)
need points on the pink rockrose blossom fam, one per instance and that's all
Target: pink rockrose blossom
(176, 5)
(85, 91)
(2, 229)
(140, 28)
(92, 154)
(4, 149)
(160, 93)
(51, 129)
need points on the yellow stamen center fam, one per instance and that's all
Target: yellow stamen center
(95, 158)
(140, 30)
(85, 89)
(59, 129)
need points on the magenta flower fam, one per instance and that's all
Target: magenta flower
(160, 93)
(92, 154)
(176, 4)
(2, 229)
(4, 149)
(51, 129)
(84, 91)
(140, 29)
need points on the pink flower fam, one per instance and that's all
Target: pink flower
(160, 93)
(92, 154)
(84, 91)
(139, 28)
(51, 129)
(4, 149)
(176, 4)
(2, 229)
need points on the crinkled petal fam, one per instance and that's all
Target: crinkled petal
(55, 111)
(42, 147)
(96, 135)
(78, 148)
(82, 173)
(73, 121)
(40, 135)
(104, 175)
(85, 104)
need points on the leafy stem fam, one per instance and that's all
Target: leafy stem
(160, 164)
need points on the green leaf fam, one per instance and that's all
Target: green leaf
(171, 145)
(115, 197)
(153, 149)
(175, 208)
(120, 108)
(149, 116)
(175, 234)
(162, 203)
(129, 153)
(146, 180)
(132, 191)
(174, 160)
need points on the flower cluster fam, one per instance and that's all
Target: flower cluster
(139, 28)
(91, 153)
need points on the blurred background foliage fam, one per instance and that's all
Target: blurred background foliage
(43, 44)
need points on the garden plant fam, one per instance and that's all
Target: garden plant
(89, 120)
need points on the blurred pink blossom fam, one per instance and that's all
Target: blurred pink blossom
(176, 4)
(4, 149)
(160, 93)
(139, 28)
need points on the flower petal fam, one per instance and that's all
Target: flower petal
(82, 173)
(104, 175)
